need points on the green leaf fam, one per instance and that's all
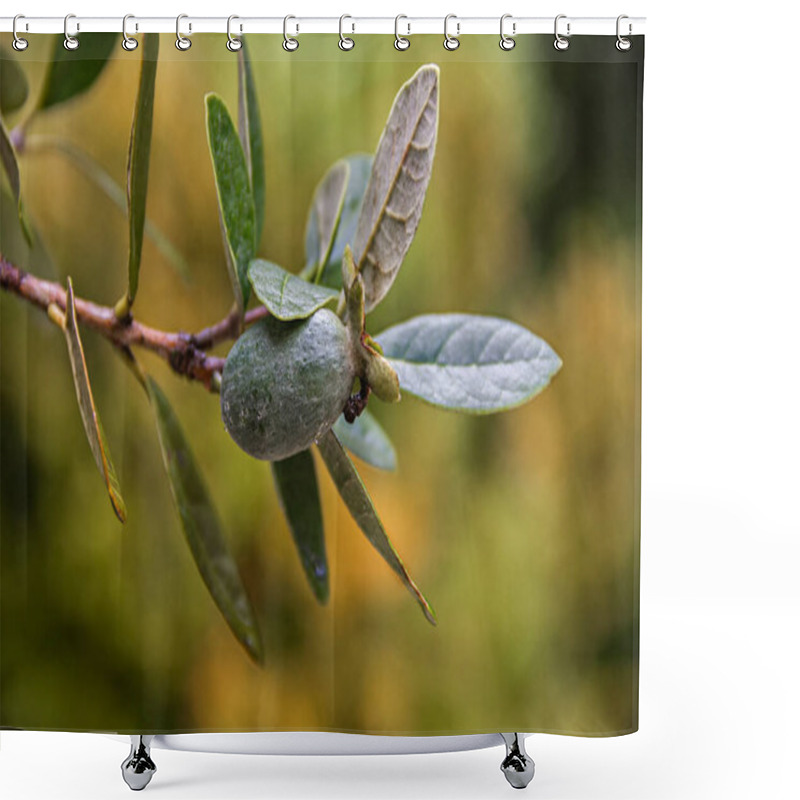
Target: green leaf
(285, 295)
(72, 72)
(296, 482)
(324, 214)
(353, 296)
(366, 439)
(397, 185)
(13, 83)
(358, 502)
(201, 526)
(250, 135)
(139, 160)
(97, 175)
(20, 247)
(9, 158)
(359, 170)
(91, 420)
(469, 363)
(234, 195)
(25, 224)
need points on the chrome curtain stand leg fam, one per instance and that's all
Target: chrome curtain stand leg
(138, 768)
(517, 766)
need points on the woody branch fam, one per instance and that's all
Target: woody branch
(184, 352)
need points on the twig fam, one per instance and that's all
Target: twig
(226, 328)
(184, 352)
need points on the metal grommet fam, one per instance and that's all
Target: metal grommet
(400, 42)
(623, 44)
(561, 42)
(181, 41)
(70, 41)
(19, 43)
(506, 42)
(290, 44)
(234, 43)
(345, 42)
(451, 42)
(128, 42)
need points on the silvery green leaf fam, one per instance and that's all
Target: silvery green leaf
(397, 184)
(91, 420)
(250, 135)
(8, 157)
(324, 214)
(469, 363)
(13, 83)
(16, 247)
(234, 195)
(72, 73)
(139, 160)
(296, 483)
(366, 439)
(285, 295)
(359, 166)
(201, 526)
(358, 502)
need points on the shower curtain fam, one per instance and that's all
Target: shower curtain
(320, 385)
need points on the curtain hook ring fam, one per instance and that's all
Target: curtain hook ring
(19, 44)
(345, 42)
(181, 41)
(507, 42)
(234, 43)
(623, 44)
(400, 42)
(561, 42)
(70, 42)
(128, 42)
(290, 43)
(451, 42)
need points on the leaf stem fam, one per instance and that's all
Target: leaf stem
(184, 352)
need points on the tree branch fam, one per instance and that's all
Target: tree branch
(226, 328)
(184, 352)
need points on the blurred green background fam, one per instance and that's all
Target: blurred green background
(522, 528)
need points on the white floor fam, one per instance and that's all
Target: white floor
(719, 706)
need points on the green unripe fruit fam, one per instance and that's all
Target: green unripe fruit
(285, 384)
